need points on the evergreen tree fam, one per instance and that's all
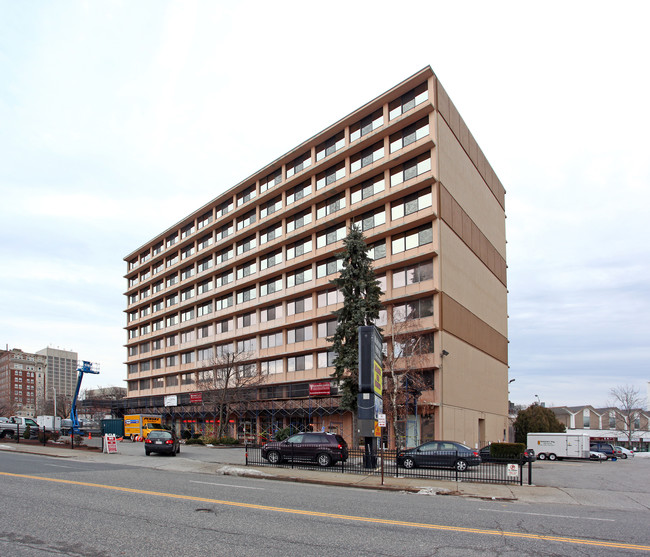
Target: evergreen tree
(361, 305)
(536, 419)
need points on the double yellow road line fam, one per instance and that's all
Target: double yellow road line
(440, 527)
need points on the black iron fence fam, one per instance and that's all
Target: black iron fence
(447, 465)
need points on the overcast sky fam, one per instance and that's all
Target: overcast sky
(117, 119)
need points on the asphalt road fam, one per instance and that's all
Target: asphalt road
(54, 507)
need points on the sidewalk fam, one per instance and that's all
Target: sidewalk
(205, 464)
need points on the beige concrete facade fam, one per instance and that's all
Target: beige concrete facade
(406, 168)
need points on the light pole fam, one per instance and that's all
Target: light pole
(538, 401)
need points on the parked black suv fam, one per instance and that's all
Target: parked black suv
(324, 448)
(606, 448)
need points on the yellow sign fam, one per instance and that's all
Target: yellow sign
(377, 382)
(377, 430)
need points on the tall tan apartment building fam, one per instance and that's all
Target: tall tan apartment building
(251, 270)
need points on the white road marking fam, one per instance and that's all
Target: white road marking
(552, 515)
(226, 485)
(58, 465)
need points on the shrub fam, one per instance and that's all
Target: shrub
(54, 435)
(507, 450)
(186, 434)
(228, 441)
(194, 441)
(44, 436)
(282, 434)
(196, 436)
(27, 433)
(78, 440)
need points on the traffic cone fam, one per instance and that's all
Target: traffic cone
(90, 435)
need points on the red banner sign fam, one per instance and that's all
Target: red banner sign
(196, 398)
(319, 389)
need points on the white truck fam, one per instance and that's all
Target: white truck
(18, 425)
(556, 446)
(49, 423)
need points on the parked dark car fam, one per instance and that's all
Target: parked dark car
(526, 456)
(323, 448)
(439, 453)
(162, 441)
(606, 448)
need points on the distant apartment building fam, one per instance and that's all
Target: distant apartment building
(609, 423)
(61, 374)
(250, 272)
(22, 382)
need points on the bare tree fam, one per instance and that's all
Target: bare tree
(7, 408)
(227, 380)
(627, 400)
(403, 364)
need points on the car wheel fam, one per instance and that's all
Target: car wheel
(408, 463)
(147, 452)
(552, 457)
(274, 457)
(324, 460)
(623, 455)
(541, 456)
(173, 453)
(460, 465)
(178, 449)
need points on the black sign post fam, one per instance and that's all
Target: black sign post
(370, 401)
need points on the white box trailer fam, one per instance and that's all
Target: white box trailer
(50, 423)
(556, 446)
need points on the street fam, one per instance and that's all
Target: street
(66, 507)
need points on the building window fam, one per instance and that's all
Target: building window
(329, 267)
(171, 240)
(586, 418)
(159, 268)
(172, 260)
(171, 300)
(330, 146)
(204, 286)
(205, 242)
(223, 303)
(144, 384)
(223, 279)
(327, 328)
(205, 264)
(156, 363)
(299, 305)
(224, 208)
(187, 379)
(188, 230)
(133, 298)
(329, 297)
(330, 176)
(187, 294)
(369, 220)
(187, 252)
(298, 164)
(172, 340)
(367, 189)
(299, 220)
(271, 260)
(187, 315)
(301, 247)
(224, 255)
(224, 326)
(270, 207)
(247, 269)
(413, 274)
(298, 192)
(409, 135)
(187, 358)
(382, 319)
(172, 279)
(187, 272)
(247, 319)
(377, 250)
(330, 206)
(413, 345)
(157, 344)
(414, 309)
(411, 204)
(330, 236)
(158, 286)
(367, 125)
(157, 383)
(271, 313)
(271, 180)
(204, 309)
(367, 157)
(271, 340)
(246, 244)
(271, 233)
(326, 359)
(300, 363)
(158, 325)
(271, 367)
(204, 332)
(410, 169)
(246, 220)
(408, 101)
(301, 276)
(203, 354)
(247, 346)
(299, 334)
(204, 220)
(132, 368)
(412, 239)
(224, 232)
(171, 360)
(245, 196)
(246, 295)
(271, 286)
(171, 381)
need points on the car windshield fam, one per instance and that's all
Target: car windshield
(160, 435)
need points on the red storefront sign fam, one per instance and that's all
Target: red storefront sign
(196, 398)
(319, 389)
